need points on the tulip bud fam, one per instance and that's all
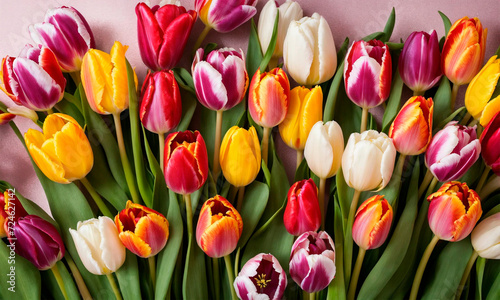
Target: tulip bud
(368, 73)
(478, 98)
(312, 261)
(485, 237)
(33, 79)
(452, 151)
(221, 80)
(142, 230)
(420, 61)
(23, 111)
(66, 32)
(225, 16)
(98, 245)
(453, 211)
(219, 227)
(5, 118)
(163, 33)
(411, 130)
(309, 50)
(37, 240)
(490, 141)
(324, 148)
(161, 105)
(289, 11)
(240, 156)
(302, 211)
(62, 151)
(372, 223)
(262, 277)
(368, 160)
(186, 162)
(463, 50)
(304, 110)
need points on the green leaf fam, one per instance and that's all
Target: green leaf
(442, 100)
(272, 45)
(128, 278)
(194, 285)
(450, 118)
(389, 26)
(490, 278)
(495, 289)
(331, 99)
(345, 194)
(336, 289)
(392, 108)
(347, 114)
(480, 264)
(71, 109)
(374, 36)
(254, 52)
(184, 79)
(209, 48)
(278, 189)
(395, 46)
(446, 22)
(53, 286)
(342, 51)
(302, 172)
(254, 203)
(189, 103)
(497, 53)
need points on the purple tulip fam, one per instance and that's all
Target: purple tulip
(37, 240)
(221, 80)
(420, 61)
(66, 32)
(225, 15)
(312, 262)
(452, 151)
(261, 278)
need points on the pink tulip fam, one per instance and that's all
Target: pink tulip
(225, 15)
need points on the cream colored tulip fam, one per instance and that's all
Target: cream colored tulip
(485, 237)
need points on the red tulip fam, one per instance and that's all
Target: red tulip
(302, 211)
(490, 141)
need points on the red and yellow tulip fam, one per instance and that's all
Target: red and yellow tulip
(372, 223)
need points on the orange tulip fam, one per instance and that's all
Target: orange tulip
(373, 222)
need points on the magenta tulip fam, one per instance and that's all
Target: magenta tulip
(225, 15)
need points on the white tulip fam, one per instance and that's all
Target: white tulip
(485, 237)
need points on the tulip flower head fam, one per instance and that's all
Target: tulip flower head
(490, 139)
(262, 277)
(5, 118)
(24, 112)
(225, 15)
(62, 151)
(485, 237)
(11, 207)
(142, 230)
(372, 223)
(453, 211)
(302, 211)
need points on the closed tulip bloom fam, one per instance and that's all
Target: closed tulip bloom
(161, 105)
(142, 230)
(463, 50)
(368, 160)
(304, 110)
(268, 98)
(186, 162)
(163, 33)
(420, 61)
(66, 32)
(98, 245)
(33, 79)
(240, 156)
(372, 223)
(221, 80)
(309, 50)
(225, 15)
(219, 227)
(312, 261)
(38, 241)
(324, 149)
(490, 141)
(11, 209)
(453, 211)
(478, 98)
(289, 11)
(262, 277)
(302, 211)
(5, 118)
(452, 151)
(411, 130)
(368, 73)
(62, 151)
(485, 237)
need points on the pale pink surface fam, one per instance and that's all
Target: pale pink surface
(116, 20)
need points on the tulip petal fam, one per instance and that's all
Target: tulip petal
(149, 34)
(181, 172)
(235, 79)
(221, 238)
(490, 110)
(111, 248)
(325, 62)
(321, 272)
(366, 154)
(319, 152)
(299, 44)
(135, 244)
(443, 214)
(119, 77)
(45, 161)
(96, 67)
(363, 84)
(225, 18)
(209, 87)
(153, 230)
(175, 37)
(442, 144)
(481, 87)
(87, 253)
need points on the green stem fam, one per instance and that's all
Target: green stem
(76, 77)
(425, 183)
(80, 283)
(50, 111)
(465, 119)
(483, 178)
(348, 235)
(364, 119)
(241, 195)
(115, 288)
(97, 199)
(233, 190)
(273, 63)
(60, 281)
(189, 215)
(454, 92)
(300, 157)
(237, 260)
(265, 143)
(421, 268)
(312, 296)
(471, 262)
(218, 133)
(230, 276)
(432, 186)
(161, 141)
(490, 187)
(355, 274)
(418, 93)
(129, 177)
(321, 200)
(215, 261)
(201, 37)
(152, 270)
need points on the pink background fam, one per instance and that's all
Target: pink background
(115, 20)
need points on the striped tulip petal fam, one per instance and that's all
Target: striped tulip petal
(223, 15)
(372, 223)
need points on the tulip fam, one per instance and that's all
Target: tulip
(452, 151)
(62, 151)
(98, 245)
(309, 51)
(262, 277)
(163, 33)
(490, 139)
(5, 118)
(142, 230)
(219, 227)
(485, 237)
(33, 79)
(186, 162)
(419, 62)
(37, 240)
(240, 156)
(11, 207)
(312, 261)
(372, 223)
(161, 105)
(3, 215)
(411, 130)
(478, 98)
(66, 32)
(302, 211)
(23, 111)
(225, 16)
(289, 11)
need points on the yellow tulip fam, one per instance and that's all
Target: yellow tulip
(304, 110)
(62, 151)
(240, 156)
(478, 99)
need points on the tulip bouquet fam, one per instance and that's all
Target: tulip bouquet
(381, 206)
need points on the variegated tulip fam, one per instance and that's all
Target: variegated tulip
(5, 118)
(302, 211)
(372, 223)
(485, 238)
(490, 141)
(225, 15)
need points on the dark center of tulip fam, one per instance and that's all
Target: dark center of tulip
(267, 279)
(217, 208)
(462, 194)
